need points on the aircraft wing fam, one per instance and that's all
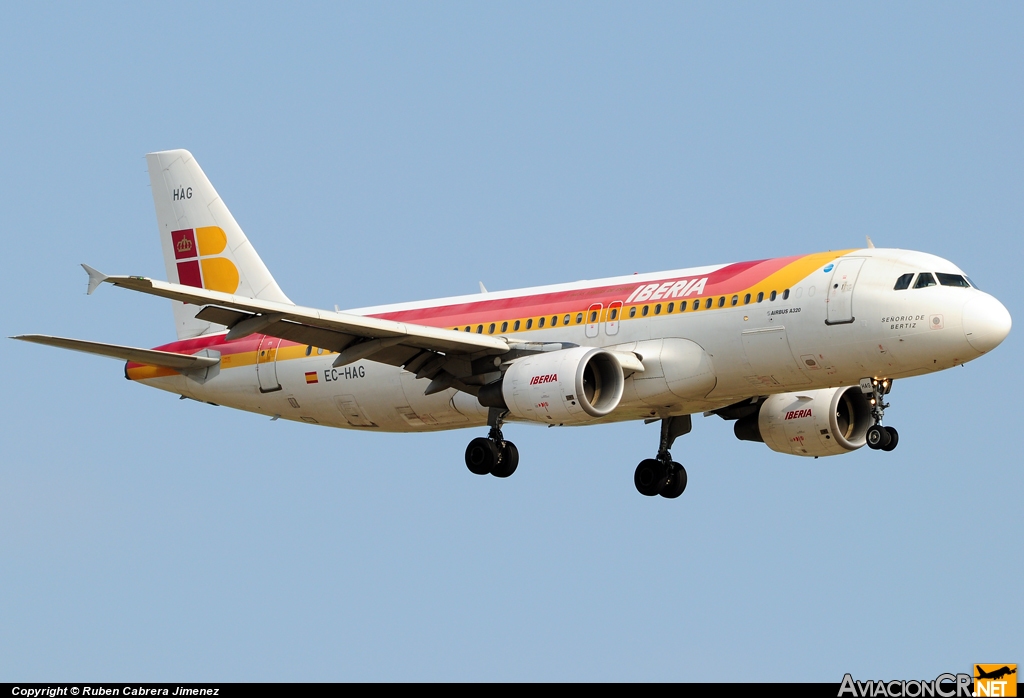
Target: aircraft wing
(151, 357)
(354, 337)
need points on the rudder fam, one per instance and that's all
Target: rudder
(202, 244)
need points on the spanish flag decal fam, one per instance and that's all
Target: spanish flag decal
(311, 377)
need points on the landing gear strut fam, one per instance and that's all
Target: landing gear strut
(493, 455)
(879, 437)
(662, 475)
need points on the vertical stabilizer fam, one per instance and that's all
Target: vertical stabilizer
(202, 244)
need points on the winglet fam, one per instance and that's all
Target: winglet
(95, 278)
(871, 245)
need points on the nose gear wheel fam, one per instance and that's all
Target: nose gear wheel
(878, 437)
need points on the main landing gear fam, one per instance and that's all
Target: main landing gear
(662, 475)
(879, 437)
(492, 455)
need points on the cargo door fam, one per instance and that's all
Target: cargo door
(354, 414)
(771, 359)
(840, 291)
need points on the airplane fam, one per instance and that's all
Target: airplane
(995, 674)
(799, 351)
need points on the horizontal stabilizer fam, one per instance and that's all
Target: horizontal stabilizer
(150, 357)
(95, 278)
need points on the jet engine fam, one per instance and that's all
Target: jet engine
(810, 423)
(568, 386)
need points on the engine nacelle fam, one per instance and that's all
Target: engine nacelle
(568, 386)
(810, 423)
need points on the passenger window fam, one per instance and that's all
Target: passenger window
(772, 296)
(903, 282)
(746, 299)
(540, 323)
(504, 326)
(593, 316)
(479, 329)
(735, 300)
(467, 328)
(579, 318)
(319, 350)
(632, 311)
(615, 313)
(657, 309)
(309, 349)
(785, 294)
(707, 303)
(529, 323)
(515, 327)
(490, 329)
(565, 320)
(924, 280)
(670, 308)
(645, 310)
(952, 280)
(554, 320)
(760, 296)
(682, 306)
(721, 302)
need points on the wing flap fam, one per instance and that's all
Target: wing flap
(150, 357)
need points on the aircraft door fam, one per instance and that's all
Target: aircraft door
(611, 321)
(840, 291)
(266, 364)
(770, 357)
(593, 319)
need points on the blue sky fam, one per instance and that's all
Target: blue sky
(377, 153)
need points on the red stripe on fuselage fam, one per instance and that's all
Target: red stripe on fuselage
(729, 279)
(195, 344)
(475, 312)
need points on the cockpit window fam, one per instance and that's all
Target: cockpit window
(903, 282)
(924, 280)
(971, 282)
(952, 280)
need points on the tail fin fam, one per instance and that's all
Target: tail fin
(203, 246)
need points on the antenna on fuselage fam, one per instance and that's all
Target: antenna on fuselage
(871, 245)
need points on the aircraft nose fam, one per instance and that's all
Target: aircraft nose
(986, 322)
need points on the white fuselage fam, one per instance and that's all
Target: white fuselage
(755, 348)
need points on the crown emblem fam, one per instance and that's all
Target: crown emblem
(184, 245)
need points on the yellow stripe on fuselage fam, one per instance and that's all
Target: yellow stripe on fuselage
(779, 281)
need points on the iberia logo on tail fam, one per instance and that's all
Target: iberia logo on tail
(195, 251)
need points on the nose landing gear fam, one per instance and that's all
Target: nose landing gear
(493, 454)
(662, 475)
(879, 437)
